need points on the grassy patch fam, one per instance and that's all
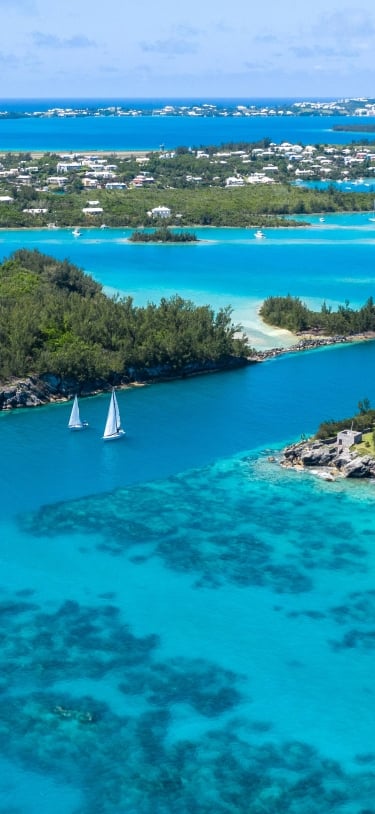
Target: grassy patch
(366, 447)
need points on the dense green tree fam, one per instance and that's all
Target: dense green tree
(289, 312)
(56, 319)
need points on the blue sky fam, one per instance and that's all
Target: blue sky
(123, 49)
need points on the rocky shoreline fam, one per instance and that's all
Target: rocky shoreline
(309, 343)
(36, 391)
(328, 461)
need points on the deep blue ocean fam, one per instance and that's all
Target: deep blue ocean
(187, 628)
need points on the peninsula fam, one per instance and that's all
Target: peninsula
(61, 335)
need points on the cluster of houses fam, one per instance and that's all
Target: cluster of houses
(299, 162)
(360, 106)
(222, 167)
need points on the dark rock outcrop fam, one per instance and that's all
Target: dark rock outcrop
(332, 461)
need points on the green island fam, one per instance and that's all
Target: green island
(162, 235)
(343, 448)
(355, 128)
(291, 313)
(60, 329)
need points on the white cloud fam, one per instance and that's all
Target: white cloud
(52, 41)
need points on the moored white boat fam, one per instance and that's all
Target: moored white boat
(76, 232)
(113, 429)
(259, 234)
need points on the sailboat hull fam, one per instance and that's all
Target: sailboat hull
(115, 436)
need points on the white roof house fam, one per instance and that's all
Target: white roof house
(161, 212)
(92, 210)
(35, 211)
(116, 185)
(67, 166)
(57, 180)
(234, 181)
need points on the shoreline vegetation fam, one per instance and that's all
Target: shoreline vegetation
(61, 335)
(293, 315)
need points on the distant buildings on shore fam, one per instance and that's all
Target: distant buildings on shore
(357, 106)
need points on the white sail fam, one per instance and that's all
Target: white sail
(113, 427)
(75, 421)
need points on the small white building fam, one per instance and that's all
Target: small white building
(234, 181)
(68, 166)
(116, 185)
(92, 210)
(6, 199)
(57, 181)
(90, 183)
(161, 212)
(346, 438)
(35, 211)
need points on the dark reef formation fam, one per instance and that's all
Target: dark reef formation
(126, 759)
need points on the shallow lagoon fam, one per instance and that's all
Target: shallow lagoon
(186, 627)
(331, 260)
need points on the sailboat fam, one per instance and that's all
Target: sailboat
(75, 421)
(113, 429)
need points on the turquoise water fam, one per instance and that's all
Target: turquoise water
(186, 627)
(149, 132)
(359, 185)
(331, 260)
